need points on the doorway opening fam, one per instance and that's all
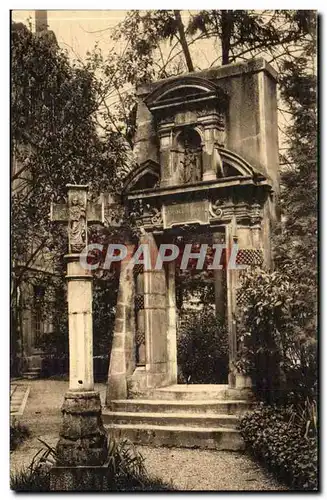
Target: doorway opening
(202, 336)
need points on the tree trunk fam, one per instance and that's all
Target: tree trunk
(226, 33)
(183, 41)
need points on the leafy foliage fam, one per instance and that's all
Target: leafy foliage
(55, 140)
(202, 348)
(273, 346)
(18, 433)
(279, 438)
(279, 332)
(295, 248)
(57, 110)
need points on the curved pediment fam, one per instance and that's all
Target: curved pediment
(184, 89)
(145, 176)
(240, 166)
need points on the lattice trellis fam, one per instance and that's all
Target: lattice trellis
(138, 269)
(139, 337)
(242, 297)
(139, 302)
(249, 257)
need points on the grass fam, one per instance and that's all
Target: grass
(18, 434)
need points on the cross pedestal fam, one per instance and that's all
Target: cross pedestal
(83, 439)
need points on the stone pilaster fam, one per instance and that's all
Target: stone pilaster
(122, 357)
(155, 316)
(220, 282)
(209, 167)
(231, 303)
(166, 156)
(172, 324)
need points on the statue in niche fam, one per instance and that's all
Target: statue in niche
(190, 165)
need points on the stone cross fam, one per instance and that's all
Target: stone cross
(83, 439)
(76, 214)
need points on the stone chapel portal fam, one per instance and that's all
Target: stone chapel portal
(206, 149)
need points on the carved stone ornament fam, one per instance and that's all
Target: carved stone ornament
(77, 223)
(146, 215)
(215, 209)
(114, 215)
(210, 110)
(156, 218)
(256, 215)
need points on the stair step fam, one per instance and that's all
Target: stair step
(215, 438)
(198, 392)
(234, 407)
(178, 419)
(18, 399)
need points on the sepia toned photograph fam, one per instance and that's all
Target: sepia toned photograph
(164, 251)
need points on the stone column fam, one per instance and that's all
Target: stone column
(79, 296)
(82, 447)
(172, 324)
(83, 439)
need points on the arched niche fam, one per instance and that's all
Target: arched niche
(188, 156)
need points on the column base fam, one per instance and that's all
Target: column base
(83, 439)
(209, 176)
(83, 478)
(239, 381)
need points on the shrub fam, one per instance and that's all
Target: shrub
(282, 439)
(276, 347)
(126, 470)
(18, 434)
(202, 349)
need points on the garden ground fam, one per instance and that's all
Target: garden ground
(186, 469)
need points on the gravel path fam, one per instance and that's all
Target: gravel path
(186, 469)
(192, 469)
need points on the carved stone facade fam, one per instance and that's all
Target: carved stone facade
(207, 150)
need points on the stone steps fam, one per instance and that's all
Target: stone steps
(32, 374)
(212, 438)
(170, 419)
(190, 416)
(214, 406)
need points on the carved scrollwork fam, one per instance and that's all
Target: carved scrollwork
(156, 218)
(215, 209)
